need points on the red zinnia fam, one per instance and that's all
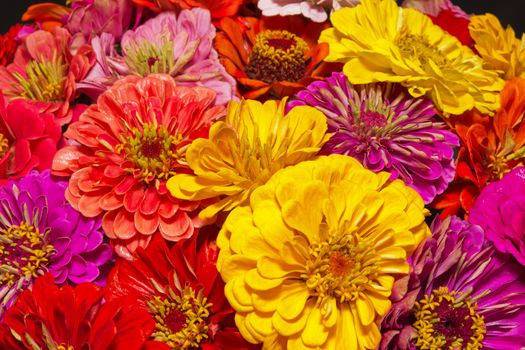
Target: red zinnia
(8, 45)
(49, 317)
(218, 8)
(28, 139)
(126, 147)
(181, 289)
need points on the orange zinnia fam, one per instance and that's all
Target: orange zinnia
(49, 15)
(491, 147)
(218, 8)
(275, 56)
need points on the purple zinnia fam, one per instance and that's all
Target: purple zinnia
(40, 232)
(500, 210)
(460, 294)
(386, 129)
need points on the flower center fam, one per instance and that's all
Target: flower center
(181, 321)
(152, 153)
(277, 55)
(418, 47)
(341, 267)
(373, 119)
(63, 346)
(44, 81)
(448, 320)
(23, 252)
(145, 58)
(4, 145)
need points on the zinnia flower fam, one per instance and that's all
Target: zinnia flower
(218, 8)
(47, 15)
(491, 147)
(310, 261)
(312, 9)
(45, 72)
(181, 46)
(460, 294)
(500, 211)
(271, 56)
(28, 139)
(245, 150)
(500, 49)
(125, 148)
(386, 129)
(40, 232)
(66, 318)
(181, 290)
(380, 42)
(8, 45)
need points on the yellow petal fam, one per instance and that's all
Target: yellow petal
(314, 333)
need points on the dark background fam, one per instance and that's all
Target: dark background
(508, 11)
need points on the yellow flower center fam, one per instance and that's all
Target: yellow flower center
(63, 346)
(152, 152)
(23, 253)
(4, 145)
(277, 55)
(417, 47)
(448, 320)
(341, 267)
(44, 81)
(145, 58)
(181, 321)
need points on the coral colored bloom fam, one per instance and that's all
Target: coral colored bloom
(181, 46)
(460, 294)
(310, 261)
(380, 42)
(500, 49)
(28, 139)
(271, 56)
(500, 211)
(67, 318)
(9, 44)
(123, 150)
(386, 129)
(45, 72)
(40, 232)
(245, 150)
(491, 147)
(218, 8)
(185, 296)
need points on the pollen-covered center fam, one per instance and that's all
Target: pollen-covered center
(341, 267)
(448, 320)
(4, 145)
(419, 48)
(277, 55)
(24, 253)
(181, 321)
(43, 80)
(145, 58)
(151, 152)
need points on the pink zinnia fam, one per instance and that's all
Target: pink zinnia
(180, 46)
(45, 72)
(123, 150)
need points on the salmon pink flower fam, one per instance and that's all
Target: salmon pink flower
(123, 150)
(45, 72)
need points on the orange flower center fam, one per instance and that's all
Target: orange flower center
(151, 153)
(181, 321)
(277, 55)
(4, 145)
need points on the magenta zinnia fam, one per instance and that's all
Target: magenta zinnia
(460, 294)
(40, 232)
(386, 129)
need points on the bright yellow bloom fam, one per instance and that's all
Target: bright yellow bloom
(245, 150)
(311, 261)
(499, 47)
(381, 42)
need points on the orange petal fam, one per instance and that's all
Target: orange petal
(146, 224)
(124, 225)
(177, 227)
(133, 198)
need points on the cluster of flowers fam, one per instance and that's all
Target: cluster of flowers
(276, 174)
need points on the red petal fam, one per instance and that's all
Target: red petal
(151, 201)
(133, 198)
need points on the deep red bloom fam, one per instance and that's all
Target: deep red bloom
(183, 278)
(74, 318)
(8, 45)
(454, 24)
(28, 139)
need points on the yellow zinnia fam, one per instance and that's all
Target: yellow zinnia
(499, 48)
(243, 152)
(311, 261)
(381, 42)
